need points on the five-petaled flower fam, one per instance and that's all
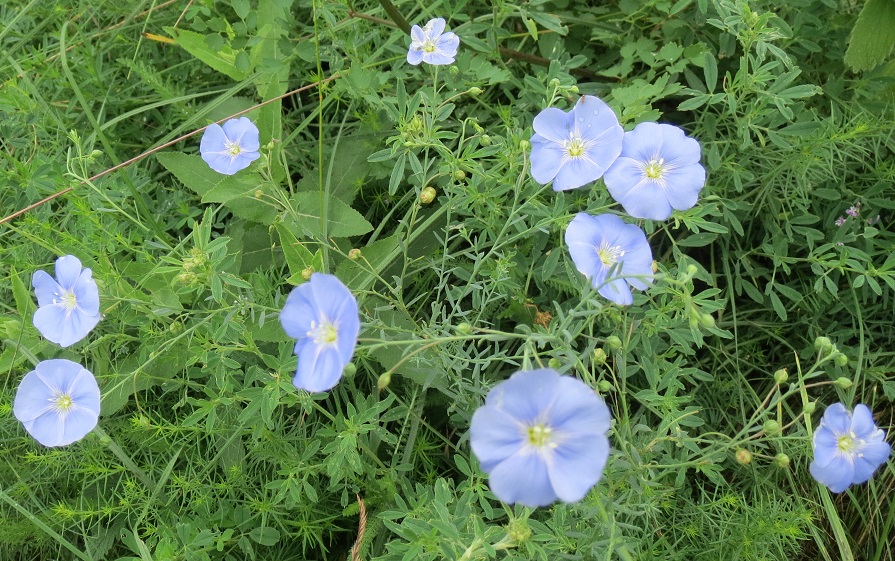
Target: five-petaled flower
(848, 447)
(57, 402)
(430, 44)
(322, 315)
(612, 254)
(541, 436)
(69, 305)
(658, 170)
(232, 147)
(576, 147)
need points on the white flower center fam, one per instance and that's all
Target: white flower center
(428, 46)
(655, 168)
(232, 148)
(66, 300)
(575, 146)
(540, 436)
(610, 255)
(325, 333)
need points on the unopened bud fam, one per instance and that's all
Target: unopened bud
(823, 344)
(599, 356)
(428, 195)
(613, 342)
(554, 363)
(604, 386)
(554, 83)
(485, 140)
(464, 329)
(354, 254)
(453, 70)
(306, 273)
(105, 440)
(781, 376)
(573, 89)
(144, 422)
(350, 370)
(518, 531)
(840, 359)
(810, 408)
(459, 175)
(707, 320)
(771, 427)
(843, 383)
(383, 381)
(692, 270)
(259, 193)
(474, 91)
(781, 460)
(743, 457)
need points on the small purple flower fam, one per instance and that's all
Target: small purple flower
(57, 402)
(541, 436)
(658, 170)
(854, 211)
(576, 147)
(322, 315)
(848, 447)
(874, 220)
(611, 254)
(840, 221)
(430, 44)
(69, 304)
(232, 147)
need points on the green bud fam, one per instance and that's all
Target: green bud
(605, 386)
(485, 140)
(573, 89)
(707, 320)
(599, 356)
(474, 91)
(554, 83)
(781, 460)
(518, 531)
(810, 408)
(354, 254)
(524, 145)
(840, 359)
(350, 370)
(771, 427)
(743, 457)
(269, 146)
(823, 344)
(692, 270)
(459, 175)
(428, 195)
(613, 342)
(781, 376)
(843, 383)
(464, 329)
(144, 422)
(383, 381)
(453, 70)
(306, 273)
(95, 154)
(105, 440)
(554, 363)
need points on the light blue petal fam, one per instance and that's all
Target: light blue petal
(876, 453)
(32, 398)
(77, 424)
(243, 132)
(414, 56)
(576, 465)
(578, 410)
(448, 44)
(594, 120)
(221, 162)
(45, 288)
(417, 35)
(51, 322)
(616, 291)
(684, 185)
(546, 159)
(522, 479)
(583, 237)
(837, 475)
(526, 395)
(553, 124)
(330, 296)
(298, 313)
(576, 172)
(438, 58)
(677, 148)
(48, 429)
(435, 27)
(213, 140)
(87, 293)
(862, 421)
(319, 368)
(826, 446)
(837, 419)
(68, 269)
(494, 436)
(84, 392)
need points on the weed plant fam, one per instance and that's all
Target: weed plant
(772, 298)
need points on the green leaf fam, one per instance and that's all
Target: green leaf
(265, 536)
(24, 304)
(298, 257)
(223, 60)
(374, 259)
(873, 38)
(342, 221)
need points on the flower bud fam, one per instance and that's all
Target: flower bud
(823, 344)
(843, 383)
(428, 195)
(781, 461)
(743, 457)
(459, 175)
(692, 270)
(599, 356)
(518, 531)
(453, 70)
(464, 329)
(354, 254)
(474, 91)
(781, 376)
(105, 440)
(613, 342)
(810, 408)
(259, 193)
(840, 359)
(383, 381)
(573, 89)
(144, 422)
(707, 320)
(350, 370)
(771, 427)
(306, 273)
(554, 83)
(554, 363)
(524, 145)
(605, 386)
(485, 140)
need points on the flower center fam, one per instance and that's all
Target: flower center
(655, 168)
(610, 255)
(429, 46)
(575, 146)
(232, 148)
(67, 300)
(62, 403)
(539, 436)
(846, 444)
(324, 333)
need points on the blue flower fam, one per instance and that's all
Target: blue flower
(611, 254)
(69, 305)
(232, 147)
(57, 402)
(541, 436)
(572, 149)
(847, 447)
(430, 44)
(657, 170)
(322, 314)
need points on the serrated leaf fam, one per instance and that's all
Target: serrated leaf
(873, 38)
(223, 60)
